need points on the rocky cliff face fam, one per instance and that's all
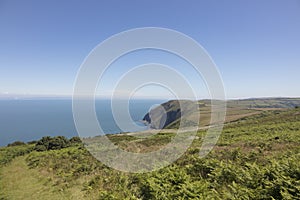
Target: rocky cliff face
(167, 113)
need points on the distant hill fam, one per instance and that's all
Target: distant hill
(168, 114)
(265, 103)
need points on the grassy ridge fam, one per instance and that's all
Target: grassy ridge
(236, 109)
(257, 157)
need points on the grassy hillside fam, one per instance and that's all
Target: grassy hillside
(257, 157)
(236, 109)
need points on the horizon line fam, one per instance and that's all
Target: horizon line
(61, 97)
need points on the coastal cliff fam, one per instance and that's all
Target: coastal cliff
(169, 113)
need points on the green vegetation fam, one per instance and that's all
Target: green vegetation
(7, 154)
(55, 143)
(257, 157)
(16, 143)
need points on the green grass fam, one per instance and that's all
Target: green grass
(256, 157)
(20, 182)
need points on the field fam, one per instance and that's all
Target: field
(256, 157)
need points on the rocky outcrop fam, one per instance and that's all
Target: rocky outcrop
(167, 113)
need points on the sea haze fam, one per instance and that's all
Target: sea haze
(27, 120)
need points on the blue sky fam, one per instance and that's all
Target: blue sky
(255, 44)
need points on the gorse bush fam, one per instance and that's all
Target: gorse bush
(49, 143)
(55, 143)
(16, 143)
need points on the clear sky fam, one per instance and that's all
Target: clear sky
(255, 44)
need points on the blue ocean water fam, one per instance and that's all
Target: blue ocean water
(27, 120)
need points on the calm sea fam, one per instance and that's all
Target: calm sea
(27, 120)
